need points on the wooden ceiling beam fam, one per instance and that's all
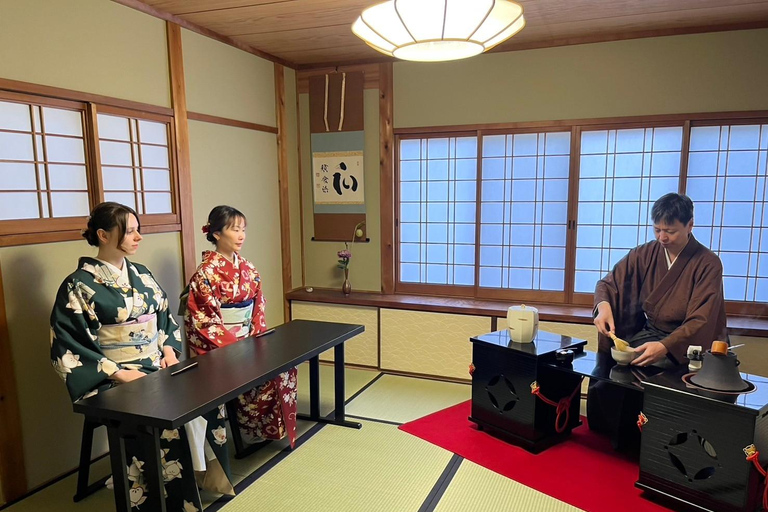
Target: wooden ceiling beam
(603, 37)
(195, 6)
(147, 9)
(295, 15)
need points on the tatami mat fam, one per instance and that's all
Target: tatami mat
(402, 399)
(244, 467)
(355, 380)
(475, 488)
(377, 468)
(58, 496)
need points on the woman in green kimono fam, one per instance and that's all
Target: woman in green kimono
(111, 324)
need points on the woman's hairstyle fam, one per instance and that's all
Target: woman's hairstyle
(221, 217)
(106, 216)
(672, 207)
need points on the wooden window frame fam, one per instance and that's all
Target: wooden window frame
(568, 297)
(424, 288)
(586, 299)
(547, 296)
(154, 222)
(58, 229)
(15, 228)
(737, 308)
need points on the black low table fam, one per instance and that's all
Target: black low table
(501, 388)
(144, 407)
(601, 366)
(692, 446)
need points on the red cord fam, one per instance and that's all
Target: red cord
(562, 406)
(753, 456)
(642, 419)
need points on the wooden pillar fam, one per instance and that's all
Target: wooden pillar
(181, 127)
(13, 475)
(387, 178)
(282, 180)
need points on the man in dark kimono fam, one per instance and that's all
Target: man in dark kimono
(661, 297)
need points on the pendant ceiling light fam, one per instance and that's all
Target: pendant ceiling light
(435, 30)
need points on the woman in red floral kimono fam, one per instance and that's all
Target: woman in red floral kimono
(225, 305)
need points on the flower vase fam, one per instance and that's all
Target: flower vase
(346, 288)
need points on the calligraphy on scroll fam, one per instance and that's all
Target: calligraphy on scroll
(338, 177)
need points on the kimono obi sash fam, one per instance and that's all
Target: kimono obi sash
(130, 341)
(237, 317)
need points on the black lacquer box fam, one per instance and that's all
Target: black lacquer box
(692, 446)
(502, 401)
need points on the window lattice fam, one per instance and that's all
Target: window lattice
(437, 210)
(622, 173)
(135, 163)
(727, 181)
(524, 210)
(42, 162)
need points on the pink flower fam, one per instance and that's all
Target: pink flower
(344, 257)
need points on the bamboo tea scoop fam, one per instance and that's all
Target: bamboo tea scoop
(620, 344)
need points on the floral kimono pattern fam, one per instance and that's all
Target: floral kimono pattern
(101, 324)
(268, 411)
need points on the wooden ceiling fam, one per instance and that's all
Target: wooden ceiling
(314, 33)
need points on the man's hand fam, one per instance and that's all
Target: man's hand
(604, 319)
(169, 357)
(125, 375)
(649, 353)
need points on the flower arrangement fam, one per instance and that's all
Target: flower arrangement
(344, 257)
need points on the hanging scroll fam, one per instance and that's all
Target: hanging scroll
(337, 144)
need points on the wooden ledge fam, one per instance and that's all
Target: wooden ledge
(742, 326)
(462, 306)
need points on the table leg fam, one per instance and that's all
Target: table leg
(153, 469)
(314, 391)
(119, 467)
(185, 457)
(314, 387)
(231, 407)
(338, 381)
(84, 489)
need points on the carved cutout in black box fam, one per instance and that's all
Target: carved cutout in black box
(502, 401)
(692, 446)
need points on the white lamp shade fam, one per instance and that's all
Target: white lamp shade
(437, 30)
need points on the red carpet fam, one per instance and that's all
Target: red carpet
(583, 471)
